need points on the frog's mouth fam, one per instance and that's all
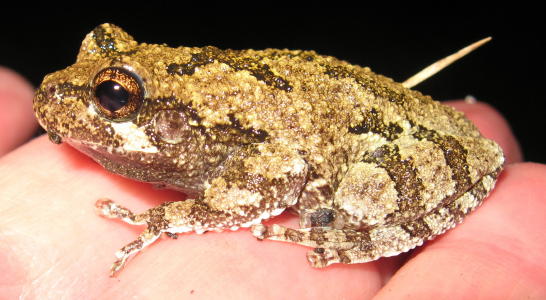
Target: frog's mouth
(138, 166)
(115, 159)
(96, 150)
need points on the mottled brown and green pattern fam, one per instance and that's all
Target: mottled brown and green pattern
(372, 168)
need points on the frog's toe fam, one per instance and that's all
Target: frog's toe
(109, 209)
(259, 231)
(274, 232)
(106, 208)
(117, 266)
(146, 238)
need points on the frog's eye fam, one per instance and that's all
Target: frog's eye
(117, 93)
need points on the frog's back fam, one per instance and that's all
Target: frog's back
(316, 103)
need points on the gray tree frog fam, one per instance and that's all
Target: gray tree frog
(372, 168)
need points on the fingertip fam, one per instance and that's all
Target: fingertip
(492, 125)
(16, 116)
(500, 241)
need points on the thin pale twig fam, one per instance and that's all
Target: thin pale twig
(442, 63)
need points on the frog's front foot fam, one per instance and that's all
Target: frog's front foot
(109, 209)
(259, 231)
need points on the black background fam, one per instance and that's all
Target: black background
(507, 73)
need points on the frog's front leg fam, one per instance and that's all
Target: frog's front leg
(254, 184)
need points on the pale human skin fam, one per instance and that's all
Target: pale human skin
(53, 245)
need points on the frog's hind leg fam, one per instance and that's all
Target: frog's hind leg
(350, 246)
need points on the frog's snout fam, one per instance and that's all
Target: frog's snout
(41, 105)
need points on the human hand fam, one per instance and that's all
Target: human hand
(54, 245)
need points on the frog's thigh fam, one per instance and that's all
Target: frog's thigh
(351, 246)
(366, 196)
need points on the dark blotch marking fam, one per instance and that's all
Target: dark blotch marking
(322, 217)
(302, 152)
(365, 242)
(343, 257)
(326, 191)
(319, 250)
(236, 60)
(417, 228)
(455, 155)
(402, 173)
(373, 122)
(372, 85)
(339, 72)
(197, 60)
(173, 236)
(225, 133)
(317, 234)
(294, 235)
(455, 212)
(479, 190)
(191, 112)
(313, 174)
(258, 134)
(107, 43)
(361, 239)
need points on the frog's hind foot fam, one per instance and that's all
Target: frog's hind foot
(331, 245)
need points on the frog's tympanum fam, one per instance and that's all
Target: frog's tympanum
(372, 168)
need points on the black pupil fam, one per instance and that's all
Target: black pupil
(112, 96)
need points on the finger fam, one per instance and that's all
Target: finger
(16, 117)
(492, 125)
(53, 237)
(498, 252)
